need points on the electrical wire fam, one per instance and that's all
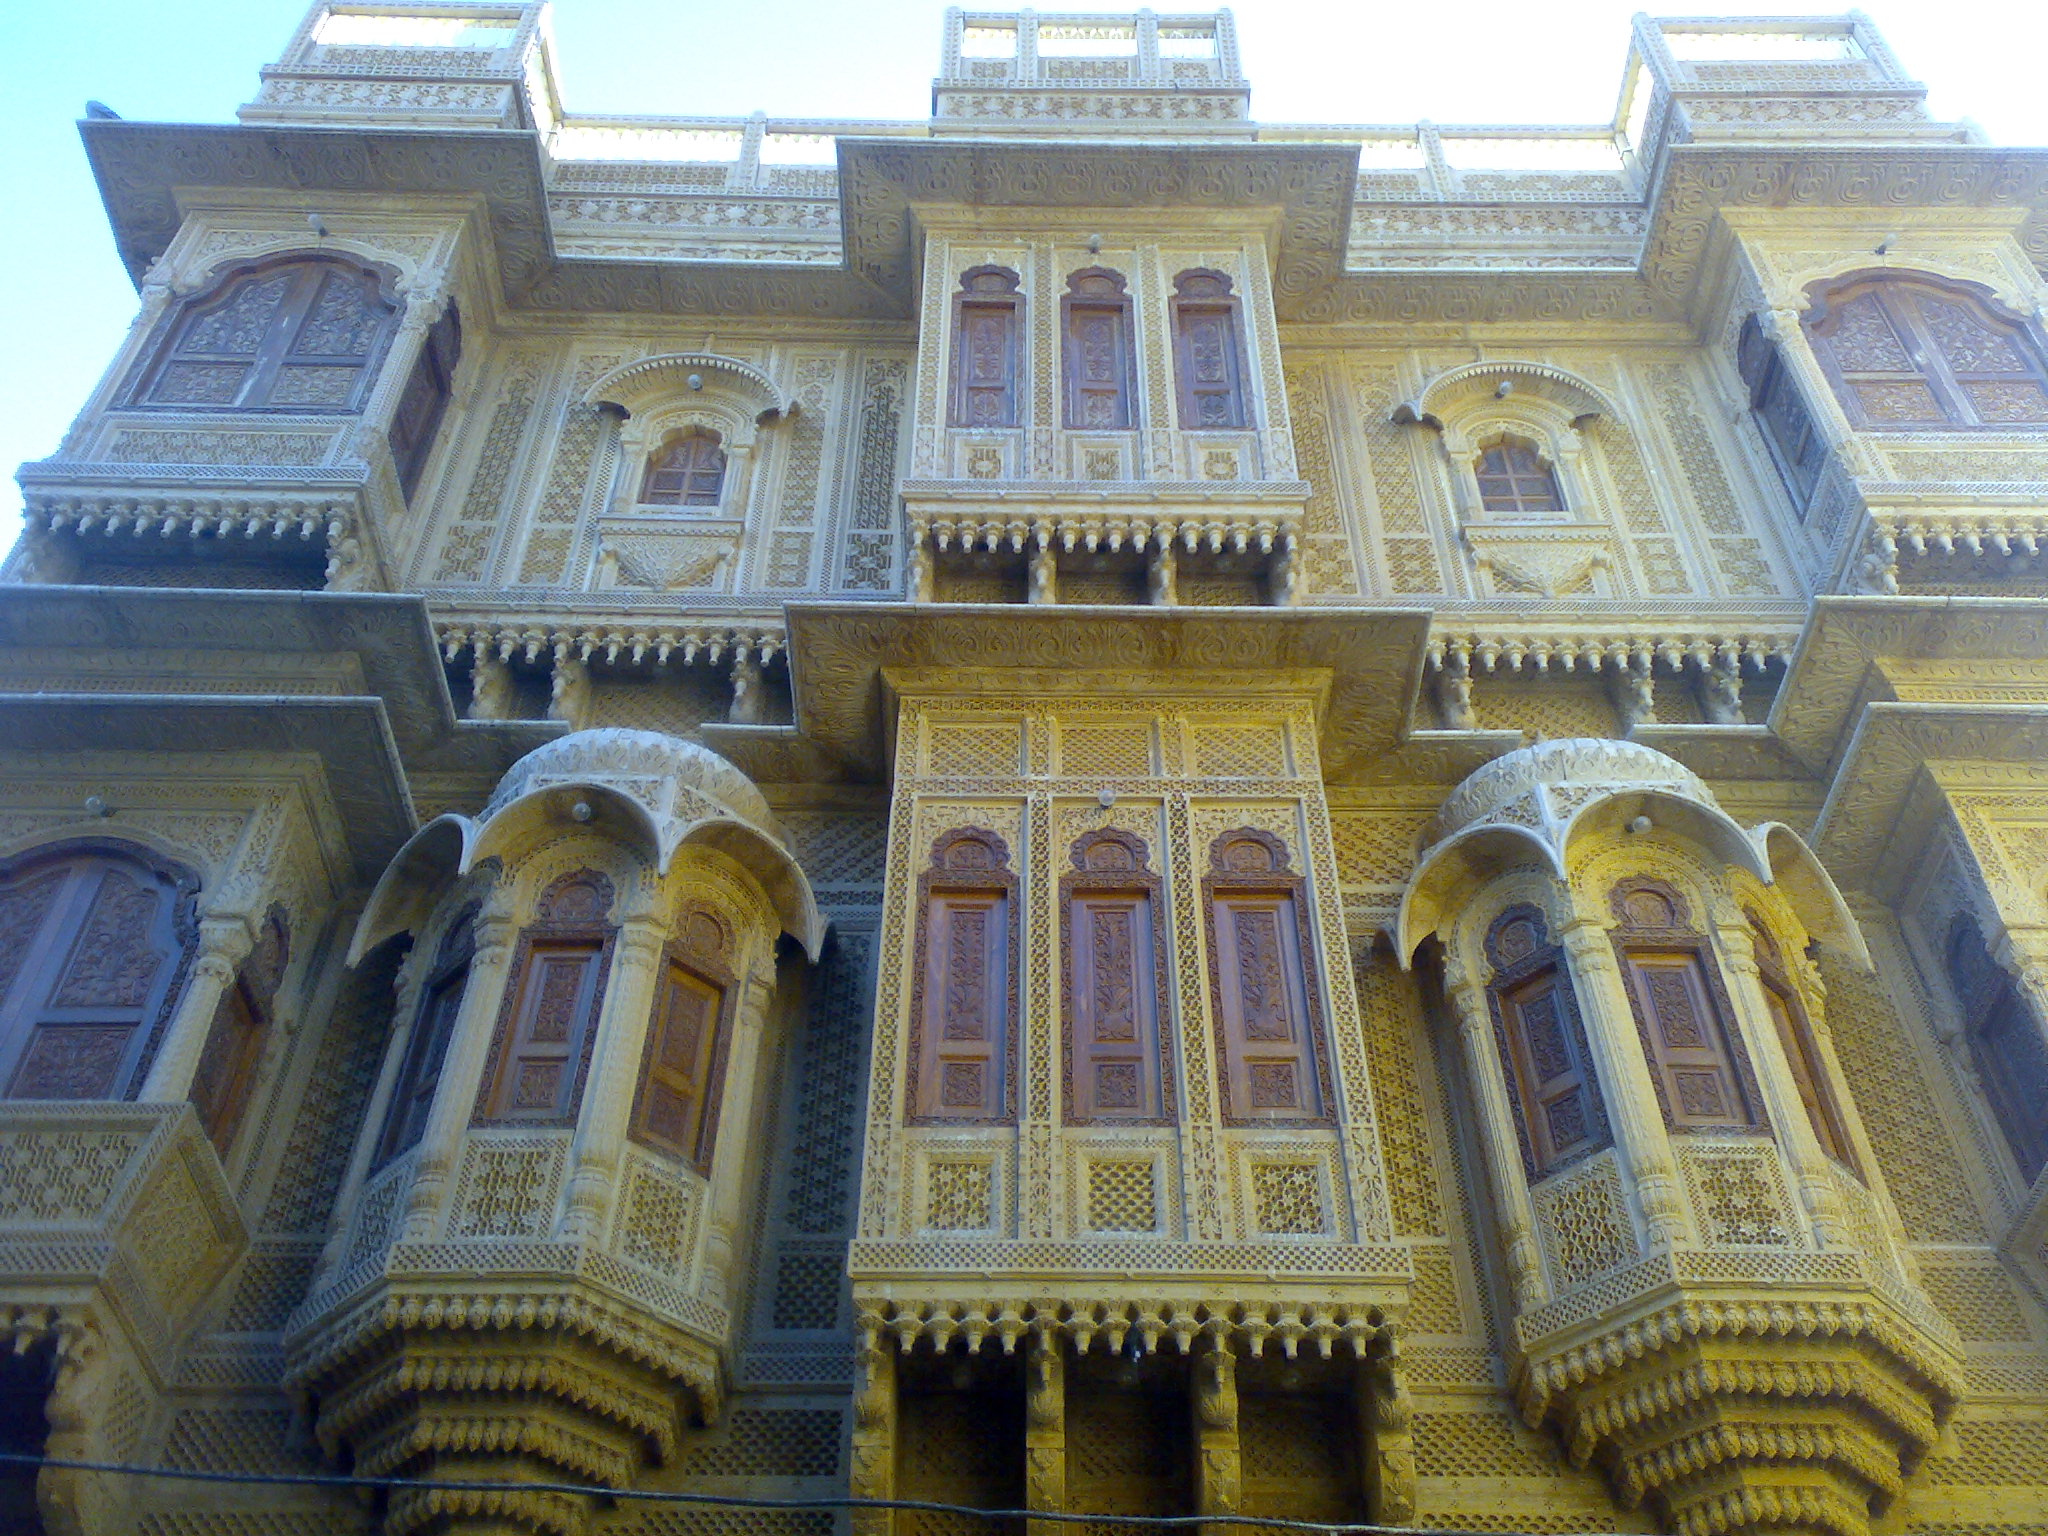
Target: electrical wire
(729, 1500)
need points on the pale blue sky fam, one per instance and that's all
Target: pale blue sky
(64, 300)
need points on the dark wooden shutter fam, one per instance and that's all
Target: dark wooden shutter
(412, 1096)
(964, 1029)
(987, 316)
(2006, 1046)
(1796, 447)
(536, 1075)
(1513, 479)
(1884, 378)
(1269, 1050)
(302, 337)
(1546, 1048)
(1687, 1040)
(417, 421)
(1808, 1071)
(677, 1108)
(228, 1066)
(1097, 357)
(690, 472)
(1992, 366)
(89, 956)
(1115, 1008)
(1208, 350)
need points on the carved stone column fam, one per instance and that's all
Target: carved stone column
(1045, 1430)
(1219, 1463)
(731, 1182)
(1514, 1214)
(1643, 1143)
(608, 1091)
(1386, 1449)
(873, 1471)
(469, 1050)
(224, 943)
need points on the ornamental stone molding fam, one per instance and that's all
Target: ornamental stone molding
(657, 381)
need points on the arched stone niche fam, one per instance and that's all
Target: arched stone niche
(1658, 986)
(656, 400)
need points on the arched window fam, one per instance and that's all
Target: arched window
(683, 1072)
(1208, 352)
(1099, 362)
(1559, 1113)
(1267, 1005)
(293, 336)
(963, 1032)
(688, 471)
(988, 314)
(541, 1049)
(1795, 1033)
(2006, 1047)
(1912, 352)
(233, 1055)
(1515, 482)
(1113, 976)
(440, 1003)
(1701, 1072)
(94, 946)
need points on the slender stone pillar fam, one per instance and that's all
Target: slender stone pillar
(873, 1473)
(1045, 1430)
(1513, 1211)
(1219, 1463)
(738, 1116)
(614, 1070)
(224, 943)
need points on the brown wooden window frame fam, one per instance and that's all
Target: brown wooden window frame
(1229, 881)
(1802, 1049)
(231, 1062)
(45, 958)
(436, 1012)
(416, 418)
(1987, 995)
(569, 917)
(1519, 962)
(1783, 416)
(1203, 292)
(713, 468)
(1522, 463)
(1637, 940)
(274, 349)
(953, 873)
(987, 291)
(1898, 296)
(696, 951)
(1094, 877)
(1098, 293)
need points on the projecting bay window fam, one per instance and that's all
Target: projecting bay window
(541, 1049)
(1113, 979)
(1267, 1005)
(964, 1005)
(1553, 1091)
(988, 317)
(1698, 1064)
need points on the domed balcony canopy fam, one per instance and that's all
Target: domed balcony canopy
(654, 792)
(1530, 805)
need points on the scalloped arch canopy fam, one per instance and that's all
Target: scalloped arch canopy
(651, 382)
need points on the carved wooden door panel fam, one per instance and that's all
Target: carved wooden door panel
(965, 1020)
(89, 953)
(1550, 1069)
(1687, 1040)
(1270, 1070)
(227, 1067)
(987, 365)
(1114, 1070)
(677, 1109)
(300, 338)
(535, 1075)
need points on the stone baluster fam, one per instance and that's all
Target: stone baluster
(1631, 1094)
(469, 1051)
(608, 1092)
(224, 943)
(1513, 1211)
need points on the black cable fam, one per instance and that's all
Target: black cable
(728, 1500)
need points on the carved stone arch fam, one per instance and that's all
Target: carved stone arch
(1803, 291)
(393, 272)
(1110, 850)
(652, 382)
(1467, 921)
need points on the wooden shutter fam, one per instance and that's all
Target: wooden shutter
(1870, 348)
(1687, 1040)
(965, 1025)
(690, 472)
(986, 319)
(228, 1066)
(1208, 351)
(297, 338)
(1547, 1060)
(2006, 1047)
(1114, 1025)
(1097, 357)
(1803, 1054)
(412, 1096)
(1270, 1070)
(536, 1076)
(90, 958)
(1796, 447)
(677, 1108)
(1514, 480)
(417, 421)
